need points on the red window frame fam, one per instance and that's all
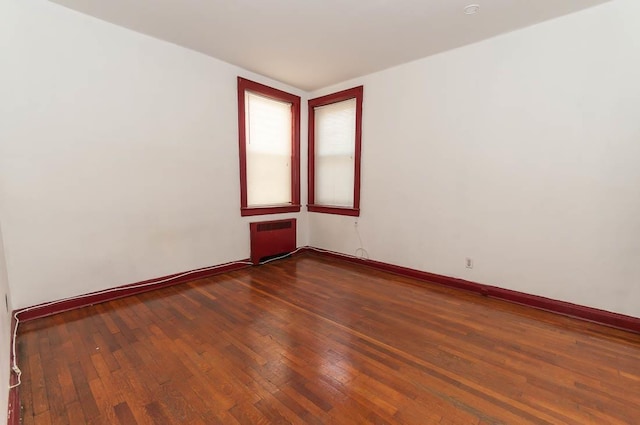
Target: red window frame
(353, 93)
(245, 85)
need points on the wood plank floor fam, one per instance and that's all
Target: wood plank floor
(311, 340)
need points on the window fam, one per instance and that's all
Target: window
(335, 132)
(269, 133)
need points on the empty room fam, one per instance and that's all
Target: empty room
(320, 212)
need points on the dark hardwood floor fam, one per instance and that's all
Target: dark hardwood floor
(311, 340)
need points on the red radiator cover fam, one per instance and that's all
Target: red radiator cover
(269, 238)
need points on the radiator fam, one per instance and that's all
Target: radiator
(271, 238)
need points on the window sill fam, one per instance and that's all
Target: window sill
(274, 209)
(353, 212)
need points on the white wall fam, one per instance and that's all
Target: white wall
(521, 152)
(118, 155)
(5, 332)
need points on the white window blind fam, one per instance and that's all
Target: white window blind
(268, 136)
(335, 135)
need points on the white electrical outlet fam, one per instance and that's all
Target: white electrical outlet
(468, 262)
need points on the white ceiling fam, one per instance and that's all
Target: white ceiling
(311, 44)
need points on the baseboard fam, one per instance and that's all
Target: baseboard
(13, 409)
(48, 309)
(616, 320)
(13, 412)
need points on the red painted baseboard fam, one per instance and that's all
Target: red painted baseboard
(48, 309)
(616, 320)
(13, 410)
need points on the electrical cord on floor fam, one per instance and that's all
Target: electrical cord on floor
(310, 248)
(281, 256)
(14, 361)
